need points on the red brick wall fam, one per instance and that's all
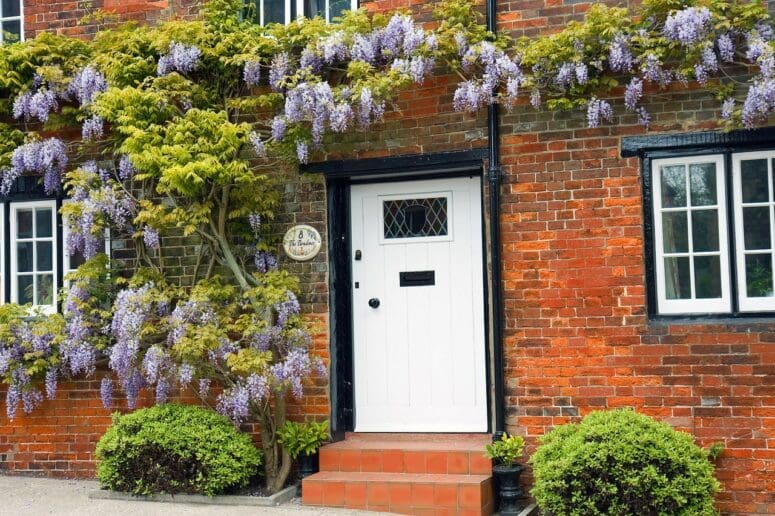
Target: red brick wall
(75, 17)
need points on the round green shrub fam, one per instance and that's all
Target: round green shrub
(621, 462)
(175, 449)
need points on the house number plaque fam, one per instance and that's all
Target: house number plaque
(302, 243)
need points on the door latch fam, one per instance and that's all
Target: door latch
(374, 302)
(357, 255)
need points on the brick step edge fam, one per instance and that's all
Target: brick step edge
(402, 493)
(392, 460)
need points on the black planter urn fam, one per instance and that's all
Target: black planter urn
(509, 493)
(308, 465)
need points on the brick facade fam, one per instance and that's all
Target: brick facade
(577, 334)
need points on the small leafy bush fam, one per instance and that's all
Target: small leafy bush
(621, 462)
(507, 450)
(175, 449)
(302, 438)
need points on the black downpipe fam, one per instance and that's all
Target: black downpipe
(494, 178)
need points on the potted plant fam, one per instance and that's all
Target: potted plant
(302, 441)
(504, 453)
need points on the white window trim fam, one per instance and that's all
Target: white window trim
(688, 306)
(299, 10)
(15, 207)
(14, 18)
(751, 304)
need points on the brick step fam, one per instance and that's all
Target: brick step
(402, 493)
(460, 457)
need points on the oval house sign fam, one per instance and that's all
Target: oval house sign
(302, 243)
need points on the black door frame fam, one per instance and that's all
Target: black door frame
(339, 175)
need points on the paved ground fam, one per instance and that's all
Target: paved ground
(24, 496)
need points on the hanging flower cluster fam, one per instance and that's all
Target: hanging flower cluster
(46, 158)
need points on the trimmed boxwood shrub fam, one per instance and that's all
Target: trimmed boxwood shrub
(621, 462)
(175, 449)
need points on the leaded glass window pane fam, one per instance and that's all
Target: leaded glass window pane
(412, 218)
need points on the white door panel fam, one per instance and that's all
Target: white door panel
(419, 356)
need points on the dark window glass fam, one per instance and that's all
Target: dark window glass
(753, 173)
(12, 31)
(274, 11)
(338, 7)
(707, 277)
(758, 275)
(314, 8)
(677, 278)
(11, 8)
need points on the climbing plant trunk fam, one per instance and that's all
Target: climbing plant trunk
(277, 461)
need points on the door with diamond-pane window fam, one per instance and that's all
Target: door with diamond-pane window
(418, 306)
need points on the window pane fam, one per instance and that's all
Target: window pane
(675, 232)
(705, 230)
(25, 289)
(707, 277)
(758, 275)
(76, 260)
(274, 11)
(314, 8)
(702, 182)
(338, 7)
(673, 186)
(756, 227)
(12, 31)
(43, 223)
(11, 8)
(45, 256)
(677, 281)
(45, 289)
(753, 174)
(24, 224)
(24, 256)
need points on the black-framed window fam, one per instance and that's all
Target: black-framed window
(11, 20)
(709, 207)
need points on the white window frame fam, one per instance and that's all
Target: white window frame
(300, 8)
(688, 306)
(299, 4)
(14, 273)
(751, 304)
(20, 18)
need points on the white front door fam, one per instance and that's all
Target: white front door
(418, 306)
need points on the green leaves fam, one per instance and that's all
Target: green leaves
(622, 462)
(303, 438)
(507, 450)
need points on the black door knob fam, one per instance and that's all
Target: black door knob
(374, 302)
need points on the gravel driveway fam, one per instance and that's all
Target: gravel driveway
(25, 496)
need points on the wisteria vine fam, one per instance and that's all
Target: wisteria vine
(172, 110)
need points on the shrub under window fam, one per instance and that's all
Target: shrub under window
(621, 462)
(175, 449)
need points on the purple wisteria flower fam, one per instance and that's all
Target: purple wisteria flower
(364, 49)
(38, 105)
(258, 144)
(302, 151)
(619, 55)
(279, 70)
(179, 58)
(251, 74)
(728, 109)
(535, 99)
(287, 309)
(652, 70)
(185, 374)
(204, 387)
(279, 126)
(106, 392)
(86, 85)
(470, 96)
(93, 128)
(633, 93)
(582, 73)
(759, 102)
(125, 168)
(151, 238)
(47, 158)
(51, 383)
(726, 48)
(644, 118)
(333, 47)
(264, 261)
(597, 109)
(234, 403)
(687, 26)
(254, 219)
(565, 75)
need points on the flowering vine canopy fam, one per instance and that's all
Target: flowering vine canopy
(181, 124)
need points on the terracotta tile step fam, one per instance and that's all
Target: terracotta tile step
(402, 493)
(406, 457)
